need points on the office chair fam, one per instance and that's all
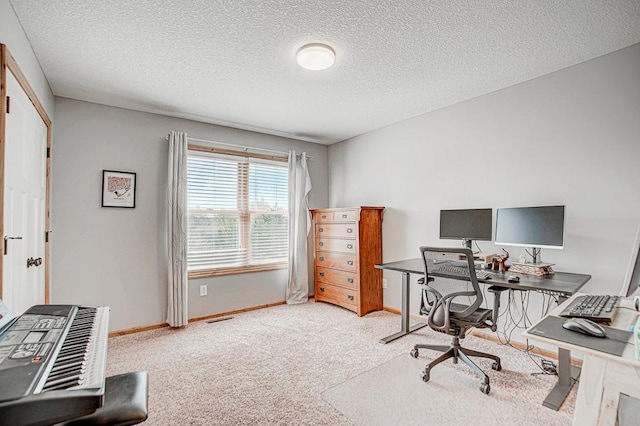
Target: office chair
(449, 317)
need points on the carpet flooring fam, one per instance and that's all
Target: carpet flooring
(320, 364)
(393, 393)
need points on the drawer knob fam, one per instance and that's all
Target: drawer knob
(350, 296)
(350, 280)
(320, 243)
(349, 262)
(321, 258)
(324, 216)
(344, 216)
(349, 230)
(349, 246)
(321, 288)
(321, 230)
(321, 274)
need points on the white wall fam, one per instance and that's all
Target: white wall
(13, 37)
(115, 257)
(571, 137)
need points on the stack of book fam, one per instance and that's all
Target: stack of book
(530, 269)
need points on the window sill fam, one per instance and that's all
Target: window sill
(206, 273)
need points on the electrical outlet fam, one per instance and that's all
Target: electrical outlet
(203, 290)
(384, 283)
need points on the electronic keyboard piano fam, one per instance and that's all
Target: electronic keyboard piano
(52, 364)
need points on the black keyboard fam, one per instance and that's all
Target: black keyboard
(481, 274)
(598, 308)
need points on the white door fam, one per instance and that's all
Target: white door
(24, 202)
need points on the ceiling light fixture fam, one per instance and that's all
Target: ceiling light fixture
(316, 57)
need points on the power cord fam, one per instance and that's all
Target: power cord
(547, 367)
(520, 320)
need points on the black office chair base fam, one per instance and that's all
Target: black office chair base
(455, 351)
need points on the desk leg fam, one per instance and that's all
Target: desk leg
(567, 376)
(405, 327)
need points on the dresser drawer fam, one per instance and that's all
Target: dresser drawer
(332, 293)
(322, 217)
(342, 246)
(337, 277)
(345, 216)
(339, 230)
(346, 262)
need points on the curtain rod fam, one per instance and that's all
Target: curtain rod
(243, 147)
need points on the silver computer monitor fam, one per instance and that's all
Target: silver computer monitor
(632, 277)
(535, 227)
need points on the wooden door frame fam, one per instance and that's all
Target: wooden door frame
(7, 62)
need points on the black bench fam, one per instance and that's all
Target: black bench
(125, 402)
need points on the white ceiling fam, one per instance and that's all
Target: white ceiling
(233, 62)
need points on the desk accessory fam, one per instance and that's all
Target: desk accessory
(614, 343)
(529, 269)
(584, 326)
(599, 308)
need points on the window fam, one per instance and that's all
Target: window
(237, 214)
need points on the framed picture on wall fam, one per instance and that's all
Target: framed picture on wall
(118, 189)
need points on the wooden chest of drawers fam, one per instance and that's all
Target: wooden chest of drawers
(347, 245)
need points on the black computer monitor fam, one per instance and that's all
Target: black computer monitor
(466, 225)
(632, 278)
(535, 227)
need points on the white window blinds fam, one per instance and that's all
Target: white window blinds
(237, 212)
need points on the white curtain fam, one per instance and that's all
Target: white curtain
(177, 230)
(299, 226)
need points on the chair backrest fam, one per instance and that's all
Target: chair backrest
(459, 291)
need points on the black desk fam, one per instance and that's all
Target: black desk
(561, 284)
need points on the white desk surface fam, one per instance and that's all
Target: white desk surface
(605, 377)
(624, 316)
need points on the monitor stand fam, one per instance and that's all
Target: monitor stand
(535, 254)
(535, 265)
(478, 257)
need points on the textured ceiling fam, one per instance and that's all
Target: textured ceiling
(233, 62)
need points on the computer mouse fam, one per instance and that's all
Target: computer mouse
(585, 326)
(514, 279)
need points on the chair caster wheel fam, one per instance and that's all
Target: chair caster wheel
(496, 366)
(485, 388)
(425, 376)
(414, 353)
